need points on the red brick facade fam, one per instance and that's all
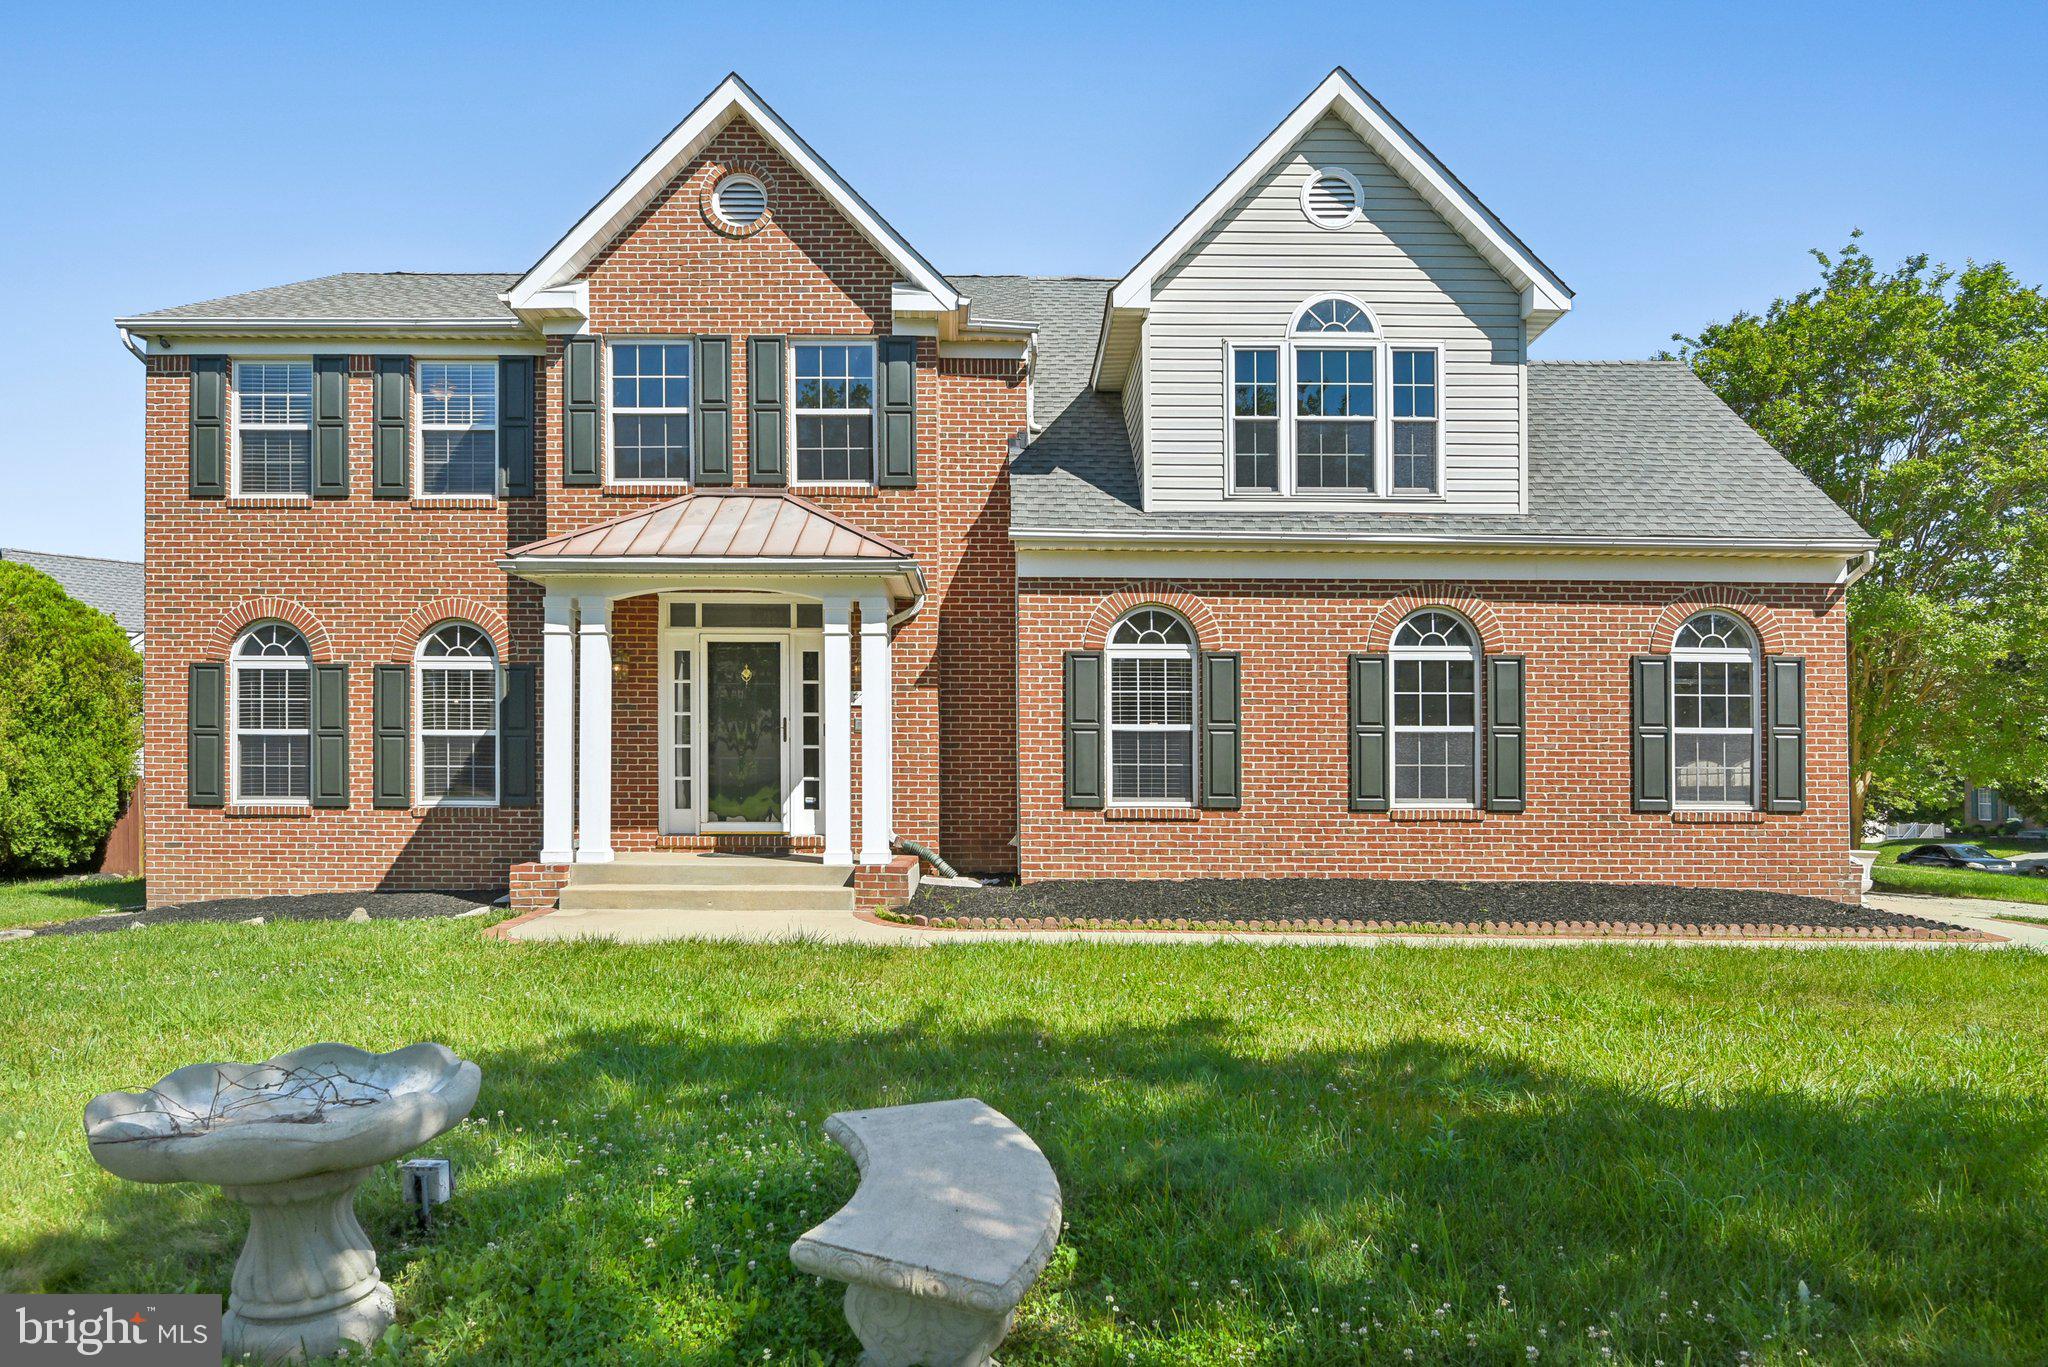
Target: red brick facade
(1577, 639)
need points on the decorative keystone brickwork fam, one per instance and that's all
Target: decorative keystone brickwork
(1577, 638)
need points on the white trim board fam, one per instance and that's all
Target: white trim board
(1033, 563)
(733, 98)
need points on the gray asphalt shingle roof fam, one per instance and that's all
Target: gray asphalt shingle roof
(112, 586)
(394, 295)
(1618, 450)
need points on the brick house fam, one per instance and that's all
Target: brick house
(733, 523)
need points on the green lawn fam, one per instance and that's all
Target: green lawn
(1888, 876)
(1269, 1154)
(64, 899)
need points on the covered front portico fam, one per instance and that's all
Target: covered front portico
(754, 597)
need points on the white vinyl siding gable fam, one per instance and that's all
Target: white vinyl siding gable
(1134, 405)
(1242, 283)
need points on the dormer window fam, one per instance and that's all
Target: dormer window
(1311, 416)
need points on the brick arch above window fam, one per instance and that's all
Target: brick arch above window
(423, 619)
(242, 616)
(1736, 602)
(1116, 606)
(1398, 609)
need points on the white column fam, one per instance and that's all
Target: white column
(837, 718)
(594, 735)
(558, 728)
(877, 692)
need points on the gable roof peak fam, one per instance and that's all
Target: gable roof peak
(731, 98)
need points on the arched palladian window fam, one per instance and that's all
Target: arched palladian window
(272, 713)
(1713, 712)
(1151, 681)
(1336, 397)
(1436, 711)
(458, 716)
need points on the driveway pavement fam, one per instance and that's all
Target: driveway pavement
(1972, 913)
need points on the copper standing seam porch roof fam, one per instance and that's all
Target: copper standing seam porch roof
(731, 524)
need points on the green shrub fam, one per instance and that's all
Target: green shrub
(70, 723)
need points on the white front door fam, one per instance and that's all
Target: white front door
(740, 729)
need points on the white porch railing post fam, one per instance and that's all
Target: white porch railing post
(877, 693)
(594, 735)
(558, 723)
(838, 722)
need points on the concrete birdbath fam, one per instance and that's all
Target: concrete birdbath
(291, 1139)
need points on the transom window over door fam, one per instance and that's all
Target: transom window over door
(1151, 680)
(458, 427)
(1713, 713)
(274, 427)
(458, 690)
(1336, 398)
(273, 715)
(835, 412)
(651, 411)
(1436, 711)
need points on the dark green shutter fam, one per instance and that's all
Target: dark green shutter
(712, 375)
(209, 427)
(330, 427)
(1368, 749)
(206, 713)
(391, 727)
(1650, 732)
(330, 736)
(1506, 743)
(515, 426)
(897, 428)
(1222, 731)
(515, 738)
(1785, 695)
(1083, 727)
(767, 433)
(580, 391)
(391, 440)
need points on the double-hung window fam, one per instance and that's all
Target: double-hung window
(835, 412)
(458, 718)
(651, 411)
(1255, 419)
(1151, 668)
(458, 427)
(273, 715)
(1336, 397)
(1713, 713)
(1416, 420)
(273, 427)
(1436, 711)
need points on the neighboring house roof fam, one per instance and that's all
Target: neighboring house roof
(112, 586)
(1620, 452)
(394, 297)
(730, 524)
(733, 97)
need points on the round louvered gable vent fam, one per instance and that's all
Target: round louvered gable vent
(1330, 198)
(740, 201)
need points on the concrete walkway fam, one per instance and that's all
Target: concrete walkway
(825, 927)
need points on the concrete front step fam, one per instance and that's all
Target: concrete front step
(711, 870)
(642, 896)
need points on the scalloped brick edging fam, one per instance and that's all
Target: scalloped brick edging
(1531, 929)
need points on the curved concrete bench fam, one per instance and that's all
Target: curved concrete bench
(955, 1217)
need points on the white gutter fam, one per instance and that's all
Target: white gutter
(171, 327)
(1046, 536)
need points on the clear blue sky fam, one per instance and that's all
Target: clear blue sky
(1672, 162)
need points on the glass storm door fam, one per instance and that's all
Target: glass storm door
(743, 733)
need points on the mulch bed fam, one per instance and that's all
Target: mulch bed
(326, 906)
(1372, 904)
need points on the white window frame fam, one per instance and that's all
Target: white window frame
(688, 412)
(301, 663)
(1111, 653)
(420, 426)
(421, 663)
(873, 411)
(235, 424)
(1396, 728)
(1290, 344)
(1753, 657)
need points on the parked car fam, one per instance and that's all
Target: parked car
(1960, 857)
